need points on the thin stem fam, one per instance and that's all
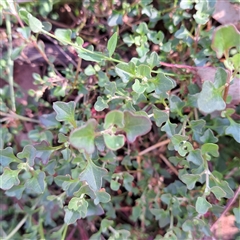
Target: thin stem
(41, 232)
(157, 145)
(16, 116)
(10, 63)
(19, 225)
(229, 204)
(64, 232)
(169, 164)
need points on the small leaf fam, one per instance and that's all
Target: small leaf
(15, 191)
(63, 35)
(100, 104)
(139, 87)
(190, 180)
(92, 56)
(143, 71)
(135, 125)
(112, 43)
(114, 185)
(202, 205)
(218, 192)
(210, 99)
(169, 128)
(93, 175)
(114, 142)
(37, 183)
(102, 197)
(220, 78)
(210, 148)
(115, 19)
(226, 188)
(65, 111)
(114, 117)
(7, 156)
(195, 156)
(160, 117)
(71, 216)
(83, 137)
(49, 121)
(163, 83)
(236, 212)
(233, 130)
(9, 178)
(79, 205)
(208, 137)
(44, 151)
(29, 152)
(224, 38)
(35, 25)
(125, 71)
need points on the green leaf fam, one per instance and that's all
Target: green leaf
(235, 61)
(29, 152)
(35, 25)
(71, 216)
(224, 38)
(79, 205)
(210, 98)
(112, 43)
(113, 118)
(125, 71)
(44, 151)
(93, 175)
(135, 125)
(115, 19)
(163, 83)
(63, 35)
(114, 142)
(176, 104)
(37, 183)
(114, 185)
(220, 78)
(49, 121)
(100, 104)
(7, 156)
(233, 130)
(143, 71)
(9, 178)
(208, 137)
(90, 56)
(89, 70)
(236, 212)
(218, 192)
(202, 205)
(15, 191)
(226, 188)
(153, 60)
(169, 128)
(139, 87)
(210, 148)
(102, 197)
(83, 137)
(160, 117)
(65, 111)
(195, 156)
(190, 180)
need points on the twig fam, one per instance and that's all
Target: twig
(157, 145)
(229, 204)
(16, 116)
(227, 85)
(169, 164)
(10, 63)
(178, 66)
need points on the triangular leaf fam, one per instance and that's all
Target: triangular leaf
(125, 71)
(7, 156)
(93, 175)
(135, 125)
(83, 137)
(210, 99)
(9, 178)
(65, 111)
(202, 205)
(29, 152)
